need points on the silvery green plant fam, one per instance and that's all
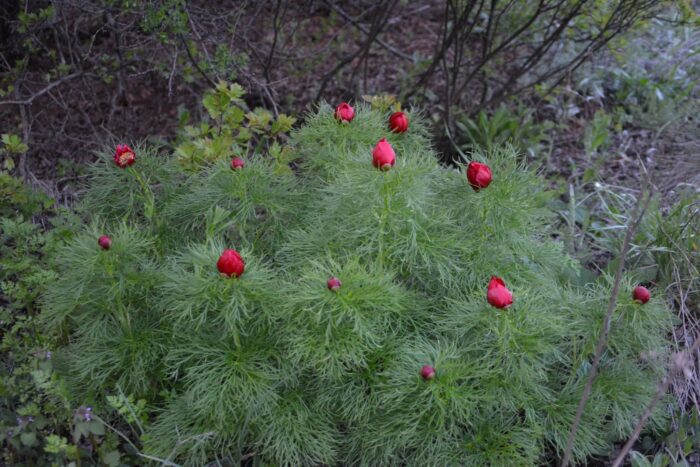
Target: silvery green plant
(352, 324)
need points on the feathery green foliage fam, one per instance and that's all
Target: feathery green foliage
(275, 366)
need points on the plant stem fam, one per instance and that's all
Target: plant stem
(123, 316)
(148, 198)
(382, 222)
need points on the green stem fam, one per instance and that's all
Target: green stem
(235, 325)
(123, 316)
(382, 222)
(148, 198)
(236, 338)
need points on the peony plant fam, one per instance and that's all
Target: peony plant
(340, 314)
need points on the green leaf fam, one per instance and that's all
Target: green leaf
(638, 460)
(14, 144)
(234, 116)
(275, 150)
(9, 163)
(259, 119)
(55, 444)
(283, 124)
(212, 102)
(81, 429)
(96, 428)
(28, 438)
(243, 135)
(111, 458)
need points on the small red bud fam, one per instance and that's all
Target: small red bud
(427, 372)
(383, 155)
(105, 242)
(237, 163)
(498, 295)
(334, 284)
(124, 156)
(344, 112)
(479, 175)
(641, 294)
(230, 263)
(398, 122)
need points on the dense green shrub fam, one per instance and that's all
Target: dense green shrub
(274, 366)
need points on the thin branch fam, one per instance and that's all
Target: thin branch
(121, 88)
(444, 45)
(534, 57)
(388, 8)
(366, 31)
(635, 218)
(276, 23)
(25, 139)
(172, 73)
(126, 438)
(194, 62)
(378, 24)
(40, 93)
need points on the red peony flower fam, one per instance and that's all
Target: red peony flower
(237, 163)
(105, 242)
(478, 175)
(398, 122)
(231, 263)
(334, 284)
(641, 294)
(344, 112)
(498, 295)
(383, 156)
(124, 156)
(427, 372)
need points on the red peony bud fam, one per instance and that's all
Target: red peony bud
(124, 156)
(427, 372)
(344, 112)
(383, 156)
(641, 294)
(105, 242)
(237, 163)
(334, 284)
(498, 295)
(398, 122)
(230, 263)
(479, 175)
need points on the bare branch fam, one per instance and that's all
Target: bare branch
(48, 88)
(195, 63)
(362, 28)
